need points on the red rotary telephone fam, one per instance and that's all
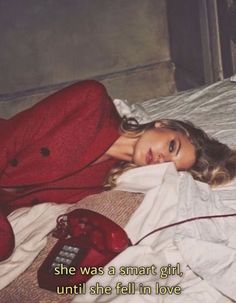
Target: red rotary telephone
(86, 239)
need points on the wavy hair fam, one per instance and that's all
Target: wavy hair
(215, 162)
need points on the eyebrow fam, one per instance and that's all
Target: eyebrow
(177, 152)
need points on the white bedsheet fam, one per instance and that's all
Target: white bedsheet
(31, 227)
(205, 249)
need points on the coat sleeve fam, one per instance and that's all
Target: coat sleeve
(54, 138)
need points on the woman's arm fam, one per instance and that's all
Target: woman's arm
(53, 138)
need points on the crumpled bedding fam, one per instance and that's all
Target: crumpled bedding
(205, 249)
(31, 227)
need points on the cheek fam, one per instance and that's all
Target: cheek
(150, 137)
(188, 159)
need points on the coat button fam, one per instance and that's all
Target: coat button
(14, 162)
(44, 151)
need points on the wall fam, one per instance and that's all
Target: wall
(124, 43)
(185, 42)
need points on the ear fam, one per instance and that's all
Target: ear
(158, 124)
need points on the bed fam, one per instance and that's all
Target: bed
(145, 199)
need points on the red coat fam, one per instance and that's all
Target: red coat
(45, 151)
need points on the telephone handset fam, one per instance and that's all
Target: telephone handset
(86, 239)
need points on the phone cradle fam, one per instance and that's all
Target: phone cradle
(86, 240)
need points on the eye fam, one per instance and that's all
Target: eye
(172, 145)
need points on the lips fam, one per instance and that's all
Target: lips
(149, 157)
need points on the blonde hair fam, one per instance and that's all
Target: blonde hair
(215, 162)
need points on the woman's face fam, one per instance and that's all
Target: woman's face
(160, 144)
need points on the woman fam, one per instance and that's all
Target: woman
(63, 148)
